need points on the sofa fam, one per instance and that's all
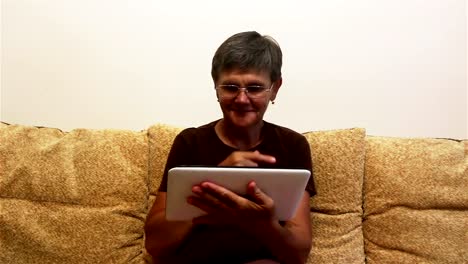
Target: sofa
(82, 196)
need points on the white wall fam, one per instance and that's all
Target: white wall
(397, 68)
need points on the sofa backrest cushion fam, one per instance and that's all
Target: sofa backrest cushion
(416, 200)
(336, 209)
(338, 164)
(76, 197)
(160, 138)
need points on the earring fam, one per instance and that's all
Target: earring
(272, 101)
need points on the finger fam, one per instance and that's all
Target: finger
(258, 157)
(224, 195)
(205, 205)
(257, 195)
(205, 219)
(217, 198)
(246, 163)
(239, 158)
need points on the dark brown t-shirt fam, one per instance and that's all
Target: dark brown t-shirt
(202, 147)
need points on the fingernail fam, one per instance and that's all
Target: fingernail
(196, 189)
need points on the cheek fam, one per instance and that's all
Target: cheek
(224, 106)
(261, 104)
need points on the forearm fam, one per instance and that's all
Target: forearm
(162, 236)
(286, 243)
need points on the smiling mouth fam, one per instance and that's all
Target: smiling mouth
(243, 111)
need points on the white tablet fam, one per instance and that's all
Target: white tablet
(284, 186)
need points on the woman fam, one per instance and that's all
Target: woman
(246, 71)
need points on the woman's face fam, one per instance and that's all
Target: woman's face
(243, 111)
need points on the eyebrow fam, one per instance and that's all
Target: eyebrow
(248, 83)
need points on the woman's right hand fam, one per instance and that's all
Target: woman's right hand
(247, 159)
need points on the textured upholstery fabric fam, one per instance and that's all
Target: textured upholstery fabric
(416, 201)
(77, 197)
(160, 137)
(82, 196)
(336, 210)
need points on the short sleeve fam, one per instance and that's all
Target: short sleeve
(304, 159)
(180, 154)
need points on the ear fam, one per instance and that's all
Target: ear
(276, 86)
(216, 92)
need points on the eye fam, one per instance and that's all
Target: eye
(230, 88)
(253, 89)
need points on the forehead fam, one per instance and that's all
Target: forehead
(244, 76)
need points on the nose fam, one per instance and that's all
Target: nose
(242, 96)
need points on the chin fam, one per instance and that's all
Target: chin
(244, 121)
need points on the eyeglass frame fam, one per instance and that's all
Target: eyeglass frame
(244, 89)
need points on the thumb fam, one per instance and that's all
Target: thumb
(256, 194)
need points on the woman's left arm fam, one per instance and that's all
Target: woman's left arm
(291, 242)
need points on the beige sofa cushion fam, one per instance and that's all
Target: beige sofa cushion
(77, 197)
(336, 210)
(160, 137)
(338, 163)
(416, 201)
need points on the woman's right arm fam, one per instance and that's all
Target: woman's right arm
(163, 237)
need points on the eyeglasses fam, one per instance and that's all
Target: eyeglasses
(230, 91)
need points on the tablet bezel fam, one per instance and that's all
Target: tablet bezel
(285, 186)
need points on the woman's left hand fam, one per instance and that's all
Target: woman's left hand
(224, 207)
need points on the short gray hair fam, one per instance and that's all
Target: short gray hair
(248, 51)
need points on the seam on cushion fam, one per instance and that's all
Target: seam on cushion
(418, 138)
(43, 127)
(386, 248)
(389, 208)
(364, 173)
(336, 214)
(453, 139)
(148, 196)
(364, 212)
(148, 174)
(363, 198)
(36, 127)
(64, 203)
(136, 257)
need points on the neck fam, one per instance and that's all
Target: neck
(240, 138)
